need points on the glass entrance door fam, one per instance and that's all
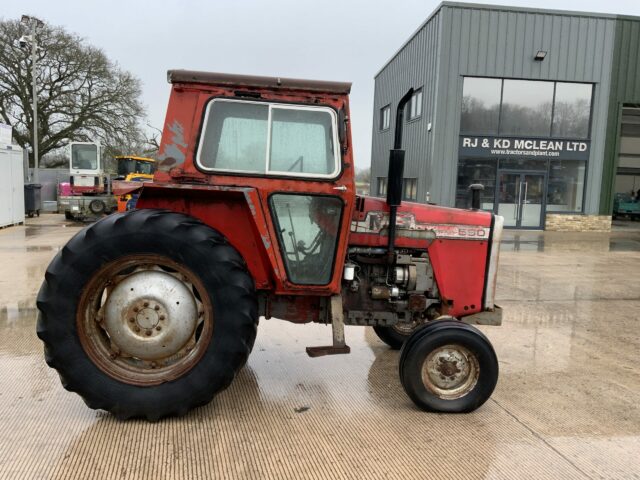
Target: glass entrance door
(520, 199)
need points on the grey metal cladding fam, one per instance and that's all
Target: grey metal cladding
(414, 66)
(497, 42)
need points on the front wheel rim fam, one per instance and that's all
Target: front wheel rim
(145, 319)
(450, 371)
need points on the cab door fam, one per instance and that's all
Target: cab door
(310, 218)
(297, 158)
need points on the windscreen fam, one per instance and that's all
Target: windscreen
(84, 157)
(126, 166)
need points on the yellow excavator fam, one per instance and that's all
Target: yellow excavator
(133, 169)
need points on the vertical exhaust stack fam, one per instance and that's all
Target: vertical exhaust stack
(395, 174)
(476, 189)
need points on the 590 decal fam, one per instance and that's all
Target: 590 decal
(376, 222)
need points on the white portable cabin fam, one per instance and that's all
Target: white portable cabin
(11, 185)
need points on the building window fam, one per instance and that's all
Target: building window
(385, 117)
(566, 186)
(494, 106)
(410, 189)
(415, 105)
(382, 186)
(526, 108)
(476, 171)
(481, 105)
(572, 109)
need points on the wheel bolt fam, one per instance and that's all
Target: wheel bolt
(156, 308)
(113, 355)
(154, 364)
(132, 319)
(148, 332)
(161, 317)
(158, 328)
(137, 329)
(135, 309)
(146, 304)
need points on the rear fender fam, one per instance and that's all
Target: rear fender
(235, 212)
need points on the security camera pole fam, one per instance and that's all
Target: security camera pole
(34, 23)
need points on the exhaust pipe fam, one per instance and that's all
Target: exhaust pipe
(476, 189)
(395, 174)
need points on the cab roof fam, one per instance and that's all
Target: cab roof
(232, 80)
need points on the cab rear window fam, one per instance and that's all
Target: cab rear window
(268, 138)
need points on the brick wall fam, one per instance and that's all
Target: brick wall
(578, 223)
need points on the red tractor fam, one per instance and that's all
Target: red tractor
(252, 212)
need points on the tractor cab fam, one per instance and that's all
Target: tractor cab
(132, 169)
(86, 174)
(129, 167)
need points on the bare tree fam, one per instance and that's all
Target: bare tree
(82, 95)
(363, 175)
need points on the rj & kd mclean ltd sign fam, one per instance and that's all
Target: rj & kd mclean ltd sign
(524, 148)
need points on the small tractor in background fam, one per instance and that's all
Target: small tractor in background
(88, 194)
(624, 205)
(133, 169)
(253, 212)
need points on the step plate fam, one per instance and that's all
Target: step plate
(328, 350)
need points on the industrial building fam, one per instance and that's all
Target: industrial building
(540, 106)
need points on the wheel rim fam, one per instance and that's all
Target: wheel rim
(405, 328)
(144, 319)
(450, 371)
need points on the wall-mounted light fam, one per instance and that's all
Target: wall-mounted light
(540, 56)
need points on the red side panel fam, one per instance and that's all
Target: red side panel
(459, 267)
(457, 242)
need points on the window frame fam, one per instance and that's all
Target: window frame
(337, 171)
(380, 181)
(590, 120)
(276, 222)
(584, 187)
(553, 106)
(404, 189)
(418, 116)
(386, 108)
(85, 144)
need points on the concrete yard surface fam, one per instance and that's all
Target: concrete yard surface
(567, 404)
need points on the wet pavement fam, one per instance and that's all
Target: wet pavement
(567, 404)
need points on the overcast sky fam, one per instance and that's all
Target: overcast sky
(329, 40)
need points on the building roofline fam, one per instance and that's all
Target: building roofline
(411, 37)
(503, 8)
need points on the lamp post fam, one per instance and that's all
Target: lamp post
(33, 23)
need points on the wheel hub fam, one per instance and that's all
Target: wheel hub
(450, 371)
(147, 318)
(150, 315)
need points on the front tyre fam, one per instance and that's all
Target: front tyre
(449, 367)
(147, 314)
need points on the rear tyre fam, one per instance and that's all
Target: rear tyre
(67, 215)
(396, 335)
(147, 314)
(448, 366)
